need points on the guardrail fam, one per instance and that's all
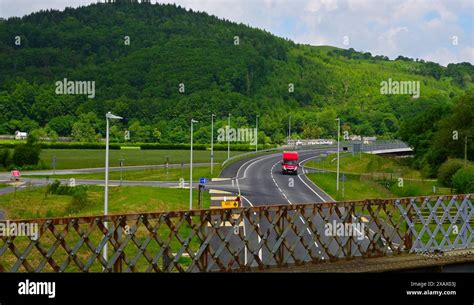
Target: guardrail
(379, 145)
(241, 239)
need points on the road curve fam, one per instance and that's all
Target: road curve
(261, 182)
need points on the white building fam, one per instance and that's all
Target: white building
(20, 135)
(369, 140)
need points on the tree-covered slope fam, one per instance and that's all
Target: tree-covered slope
(170, 46)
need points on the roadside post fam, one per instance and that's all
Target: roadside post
(191, 168)
(121, 169)
(54, 165)
(343, 179)
(202, 182)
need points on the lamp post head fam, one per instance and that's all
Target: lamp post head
(109, 115)
(193, 121)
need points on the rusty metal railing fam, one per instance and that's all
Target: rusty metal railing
(240, 239)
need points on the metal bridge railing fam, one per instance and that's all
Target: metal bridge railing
(241, 239)
(378, 145)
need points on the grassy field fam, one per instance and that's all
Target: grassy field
(364, 164)
(418, 188)
(158, 174)
(354, 189)
(357, 187)
(86, 158)
(32, 203)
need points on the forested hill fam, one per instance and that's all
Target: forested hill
(139, 54)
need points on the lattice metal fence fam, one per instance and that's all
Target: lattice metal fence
(241, 239)
(442, 224)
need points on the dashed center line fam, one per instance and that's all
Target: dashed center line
(284, 195)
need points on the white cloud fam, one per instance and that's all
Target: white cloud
(314, 6)
(413, 28)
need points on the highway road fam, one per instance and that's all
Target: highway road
(259, 181)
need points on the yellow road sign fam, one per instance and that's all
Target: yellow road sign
(229, 204)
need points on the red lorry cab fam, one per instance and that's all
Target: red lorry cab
(289, 163)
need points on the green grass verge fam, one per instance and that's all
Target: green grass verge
(418, 188)
(365, 164)
(32, 202)
(356, 187)
(87, 158)
(158, 174)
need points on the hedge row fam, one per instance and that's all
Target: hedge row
(65, 145)
(234, 147)
(116, 146)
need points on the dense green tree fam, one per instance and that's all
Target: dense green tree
(172, 49)
(463, 180)
(85, 129)
(26, 154)
(447, 170)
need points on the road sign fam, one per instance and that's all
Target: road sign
(202, 180)
(15, 174)
(230, 204)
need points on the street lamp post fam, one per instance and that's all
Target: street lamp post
(191, 168)
(212, 143)
(256, 135)
(338, 132)
(228, 138)
(108, 116)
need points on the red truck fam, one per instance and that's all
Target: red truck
(289, 163)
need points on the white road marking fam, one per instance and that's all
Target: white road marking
(284, 195)
(302, 166)
(253, 162)
(259, 239)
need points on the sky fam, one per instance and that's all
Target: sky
(436, 30)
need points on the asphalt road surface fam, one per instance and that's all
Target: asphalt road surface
(259, 181)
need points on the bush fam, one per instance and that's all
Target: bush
(64, 145)
(447, 170)
(223, 147)
(52, 188)
(79, 200)
(463, 180)
(5, 158)
(26, 154)
(57, 188)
